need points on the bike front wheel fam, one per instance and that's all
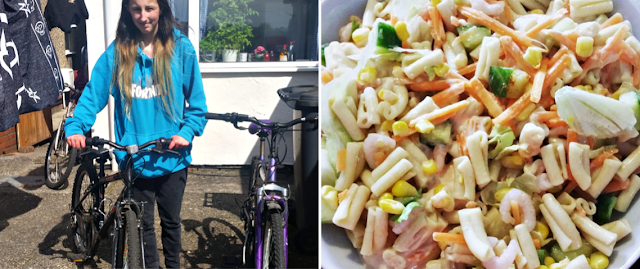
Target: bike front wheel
(83, 225)
(129, 252)
(273, 255)
(59, 160)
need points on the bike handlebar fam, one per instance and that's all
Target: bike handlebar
(160, 145)
(235, 118)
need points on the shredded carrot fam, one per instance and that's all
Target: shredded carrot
(437, 27)
(616, 185)
(514, 110)
(567, 6)
(462, 142)
(539, 27)
(536, 243)
(399, 138)
(517, 54)
(558, 122)
(562, 39)
(341, 161)
(599, 160)
(615, 19)
(436, 85)
(441, 114)
(449, 238)
(394, 20)
(554, 72)
(343, 195)
(496, 26)
(471, 68)
(445, 113)
(442, 98)
(507, 13)
(570, 186)
(379, 157)
(547, 116)
(406, 45)
(538, 82)
(553, 108)
(488, 99)
(561, 52)
(515, 211)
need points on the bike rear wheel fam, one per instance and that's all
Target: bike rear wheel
(273, 255)
(129, 254)
(59, 160)
(83, 226)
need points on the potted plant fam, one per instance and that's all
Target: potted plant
(208, 48)
(234, 31)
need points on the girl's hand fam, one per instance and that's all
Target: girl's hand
(177, 142)
(76, 141)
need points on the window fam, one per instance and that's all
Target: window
(269, 24)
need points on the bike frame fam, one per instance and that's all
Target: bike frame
(269, 185)
(124, 199)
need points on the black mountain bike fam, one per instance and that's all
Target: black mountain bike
(123, 219)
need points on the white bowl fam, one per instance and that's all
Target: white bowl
(336, 249)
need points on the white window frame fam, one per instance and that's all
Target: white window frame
(252, 67)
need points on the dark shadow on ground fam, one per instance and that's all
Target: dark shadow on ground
(8, 208)
(61, 233)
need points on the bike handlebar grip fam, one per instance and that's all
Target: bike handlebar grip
(88, 142)
(313, 116)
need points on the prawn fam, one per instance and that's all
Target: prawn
(524, 201)
(376, 148)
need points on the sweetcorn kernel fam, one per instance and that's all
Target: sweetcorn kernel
(391, 206)
(424, 127)
(368, 75)
(401, 31)
(429, 167)
(402, 188)
(400, 128)
(584, 46)
(543, 229)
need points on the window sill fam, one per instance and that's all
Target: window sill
(259, 67)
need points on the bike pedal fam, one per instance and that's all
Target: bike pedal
(77, 257)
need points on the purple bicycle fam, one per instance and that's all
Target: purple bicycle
(265, 212)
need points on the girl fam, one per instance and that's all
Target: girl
(151, 70)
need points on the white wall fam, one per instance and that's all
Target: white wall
(252, 93)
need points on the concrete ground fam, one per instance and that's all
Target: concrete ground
(34, 219)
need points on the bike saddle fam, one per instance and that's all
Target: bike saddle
(254, 128)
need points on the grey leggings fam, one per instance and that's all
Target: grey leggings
(167, 192)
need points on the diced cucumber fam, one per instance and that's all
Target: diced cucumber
(322, 61)
(541, 254)
(499, 80)
(632, 100)
(604, 208)
(557, 254)
(440, 135)
(473, 38)
(354, 23)
(507, 82)
(407, 211)
(387, 37)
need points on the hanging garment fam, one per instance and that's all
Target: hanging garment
(29, 68)
(65, 13)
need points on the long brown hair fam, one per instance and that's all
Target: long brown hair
(128, 38)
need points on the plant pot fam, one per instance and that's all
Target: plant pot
(243, 56)
(208, 56)
(229, 55)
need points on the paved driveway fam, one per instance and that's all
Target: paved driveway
(33, 219)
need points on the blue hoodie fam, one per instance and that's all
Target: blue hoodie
(148, 120)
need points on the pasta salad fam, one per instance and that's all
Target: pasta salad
(481, 133)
